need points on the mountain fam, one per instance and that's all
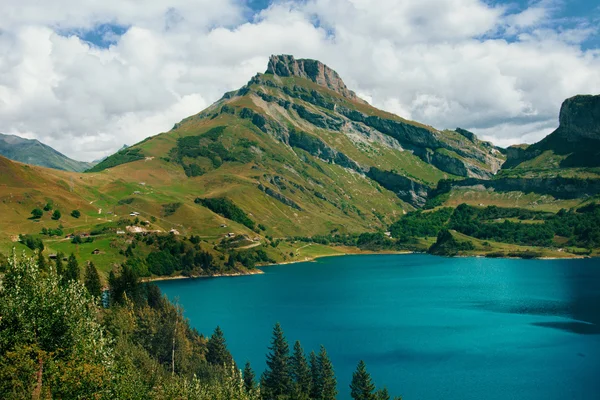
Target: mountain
(295, 155)
(31, 151)
(298, 126)
(560, 171)
(575, 143)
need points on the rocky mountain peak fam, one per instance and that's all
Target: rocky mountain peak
(579, 116)
(286, 65)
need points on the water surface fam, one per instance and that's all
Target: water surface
(428, 327)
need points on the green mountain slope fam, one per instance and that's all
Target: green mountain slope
(293, 154)
(36, 153)
(560, 171)
(299, 123)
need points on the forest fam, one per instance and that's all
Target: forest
(62, 336)
(575, 227)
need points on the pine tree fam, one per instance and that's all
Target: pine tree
(362, 387)
(276, 379)
(248, 376)
(217, 353)
(72, 271)
(42, 264)
(315, 375)
(328, 382)
(92, 280)
(383, 394)
(59, 264)
(300, 373)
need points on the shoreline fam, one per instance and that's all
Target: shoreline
(258, 271)
(255, 271)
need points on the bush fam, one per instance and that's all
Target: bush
(75, 214)
(56, 215)
(31, 242)
(227, 209)
(36, 213)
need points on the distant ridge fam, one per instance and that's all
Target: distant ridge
(31, 151)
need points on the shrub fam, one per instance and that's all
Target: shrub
(36, 213)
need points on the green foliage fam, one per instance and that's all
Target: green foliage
(161, 263)
(72, 271)
(36, 213)
(52, 232)
(75, 213)
(32, 242)
(49, 205)
(580, 227)
(276, 380)
(76, 239)
(300, 372)
(420, 224)
(209, 147)
(92, 280)
(169, 209)
(56, 215)
(217, 353)
(447, 245)
(121, 157)
(249, 378)
(58, 264)
(227, 209)
(362, 387)
(51, 343)
(327, 382)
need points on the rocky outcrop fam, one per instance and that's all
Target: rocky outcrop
(279, 197)
(578, 136)
(320, 149)
(456, 166)
(286, 65)
(559, 188)
(580, 118)
(405, 188)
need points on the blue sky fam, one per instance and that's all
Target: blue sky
(103, 74)
(566, 14)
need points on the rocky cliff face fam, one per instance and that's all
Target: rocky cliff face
(559, 188)
(577, 136)
(579, 118)
(316, 71)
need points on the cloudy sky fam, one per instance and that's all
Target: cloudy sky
(88, 76)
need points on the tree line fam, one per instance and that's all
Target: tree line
(57, 341)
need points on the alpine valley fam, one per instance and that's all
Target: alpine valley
(294, 165)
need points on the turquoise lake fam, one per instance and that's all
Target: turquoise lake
(429, 328)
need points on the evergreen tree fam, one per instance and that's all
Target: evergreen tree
(72, 271)
(315, 375)
(42, 264)
(217, 353)
(276, 380)
(328, 383)
(362, 387)
(248, 376)
(59, 264)
(300, 373)
(382, 394)
(92, 280)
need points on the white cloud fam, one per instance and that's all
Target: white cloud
(447, 63)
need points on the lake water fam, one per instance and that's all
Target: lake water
(429, 328)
